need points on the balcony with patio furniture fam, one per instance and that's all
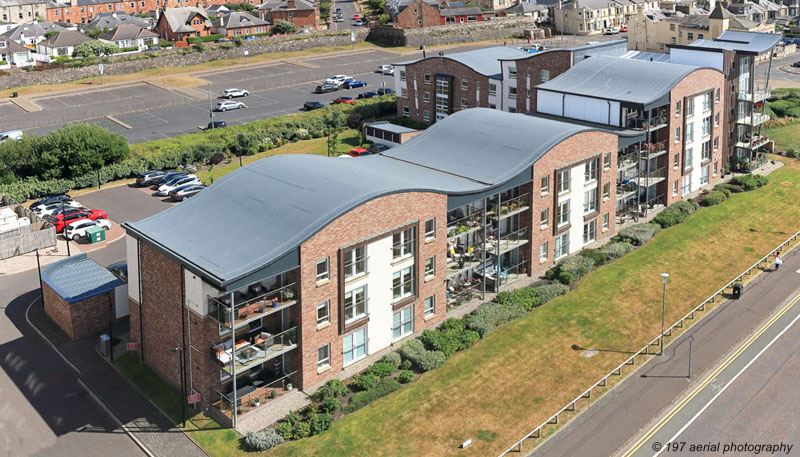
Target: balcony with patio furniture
(255, 393)
(507, 241)
(253, 349)
(755, 96)
(651, 123)
(251, 304)
(508, 207)
(754, 119)
(464, 220)
(463, 256)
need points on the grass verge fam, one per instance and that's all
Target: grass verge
(786, 136)
(516, 377)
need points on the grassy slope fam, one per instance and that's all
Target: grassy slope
(786, 136)
(519, 375)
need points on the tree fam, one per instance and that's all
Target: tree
(245, 145)
(334, 120)
(282, 28)
(77, 149)
(94, 49)
(50, 33)
(94, 33)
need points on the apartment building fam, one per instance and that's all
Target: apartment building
(678, 108)
(591, 17)
(22, 11)
(735, 53)
(321, 265)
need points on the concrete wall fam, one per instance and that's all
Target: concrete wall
(450, 34)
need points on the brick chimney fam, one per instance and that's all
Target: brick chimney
(290, 4)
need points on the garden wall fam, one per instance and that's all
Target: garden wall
(123, 64)
(451, 34)
(38, 235)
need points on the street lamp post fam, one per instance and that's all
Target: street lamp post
(691, 338)
(64, 230)
(179, 350)
(664, 277)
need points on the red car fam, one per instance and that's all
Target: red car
(358, 152)
(60, 221)
(356, 16)
(346, 100)
(624, 28)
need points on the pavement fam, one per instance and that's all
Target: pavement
(608, 426)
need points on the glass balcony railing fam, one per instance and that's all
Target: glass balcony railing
(651, 175)
(754, 119)
(644, 123)
(250, 397)
(756, 96)
(249, 309)
(464, 224)
(509, 207)
(247, 354)
(508, 241)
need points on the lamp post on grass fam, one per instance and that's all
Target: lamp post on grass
(664, 277)
(179, 350)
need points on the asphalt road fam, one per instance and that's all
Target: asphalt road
(611, 424)
(44, 410)
(348, 10)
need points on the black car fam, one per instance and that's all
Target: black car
(378, 148)
(385, 91)
(368, 94)
(217, 125)
(168, 176)
(310, 106)
(325, 88)
(50, 200)
(796, 64)
(149, 177)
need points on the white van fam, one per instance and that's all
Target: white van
(11, 135)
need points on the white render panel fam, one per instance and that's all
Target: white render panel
(121, 301)
(577, 190)
(548, 102)
(197, 292)
(696, 58)
(614, 114)
(379, 294)
(587, 109)
(697, 144)
(132, 255)
(398, 83)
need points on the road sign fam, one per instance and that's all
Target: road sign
(352, 36)
(100, 66)
(244, 47)
(246, 52)
(132, 346)
(194, 398)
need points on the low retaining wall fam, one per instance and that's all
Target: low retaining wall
(120, 65)
(452, 34)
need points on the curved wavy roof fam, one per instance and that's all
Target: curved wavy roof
(259, 213)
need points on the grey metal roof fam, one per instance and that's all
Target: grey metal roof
(262, 212)
(485, 61)
(741, 41)
(649, 56)
(65, 38)
(31, 29)
(79, 277)
(612, 78)
(235, 19)
(389, 127)
(111, 20)
(464, 11)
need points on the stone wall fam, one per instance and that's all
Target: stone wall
(452, 34)
(118, 65)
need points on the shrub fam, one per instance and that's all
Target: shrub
(550, 274)
(216, 158)
(332, 388)
(319, 423)
(639, 234)
(366, 381)
(411, 350)
(749, 181)
(263, 440)
(429, 360)
(685, 206)
(405, 376)
(566, 278)
(792, 153)
(362, 399)
(617, 250)
(713, 198)
(285, 430)
(669, 217)
(301, 430)
(548, 292)
(526, 297)
(733, 188)
(330, 405)
(381, 369)
(393, 358)
(282, 27)
(576, 265)
(597, 256)
(302, 134)
(725, 191)
(208, 38)
(449, 341)
(406, 365)
(489, 316)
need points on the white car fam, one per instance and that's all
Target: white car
(226, 105)
(386, 69)
(77, 229)
(54, 207)
(164, 189)
(231, 93)
(338, 79)
(15, 135)
(611, 31)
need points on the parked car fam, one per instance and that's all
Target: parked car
(624, 28)
(149, 177)
(11, 135)
(76, 230)
(224, 40)
(231, 93)
(163, 190)
(180, 193)
(383, 68)
(60, 221)
(368, 94)
(358, 22)
(215, 125)
(358, 152)
(50, 199)
(228, 105)
(385, 91)
(377, 148)
(310, 106)
(325, 88)
(796, 64)
(338, 19)
(55, 208)
(119, 270)
(338, 11)
(351, 84)
(168, 177)
(610, 31)
(356, 16)
(338, 79)
(347, 100)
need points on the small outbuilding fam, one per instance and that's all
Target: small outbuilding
(389, 134)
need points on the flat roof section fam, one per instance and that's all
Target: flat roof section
(485, 61)
(734, 40)
(389, 127)
(78, 277)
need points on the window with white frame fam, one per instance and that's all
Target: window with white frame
(590, 200)
(562, 213)
(354, 346)
(704, 175)
(426, 78)
(675, 187)
(716, 143)
(355, 304)
(590, 170)
(563, 181)
(324, 312)
(543, 251)
(716, 96)
(545, 184)
(355, 263)
(323, 270)
(430, 228)
(512, 92)
(430, 306)
(324, 356)
(676, 160)
(607, 160)
(402, 323)
(402, 284)
(705, 153)
(562, 245)
(689, 132)
(678, 108)
(464, 104)
(544, 75)
(677, 134)
(690, 107)
(707, 126)
(707, 101)
(426, 96)
(512, 72)
(544, 217)
(402, 75)
(716, 120)
(430, 267)
(464, 84)
(687, 185)
(589, 231)
(606, 190)
(492, 89)
(406, 112)
(403, 244)
(426, 115)
(605, 221)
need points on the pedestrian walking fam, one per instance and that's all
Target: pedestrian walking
(778, 261)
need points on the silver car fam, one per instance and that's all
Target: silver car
(228, 105)
(232, 93)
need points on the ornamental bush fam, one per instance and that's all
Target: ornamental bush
(406, 365)
(393, 358)
(405, 376)
(362, 399)
(733, 188)
(330, 405)
(489, 316)
(669, 217)
(366, 381)
(429, 360)
(449, 340)
(526, 297)
(687, 207)
(578, 266)
(566, 278)
(597, 256)
(263, 440)
(713, 198)
(318, 423)
(618, 249)
(548, 292)
(332, 388)
(381, 369)
(639, 234)
(749, 181)
(725, 191)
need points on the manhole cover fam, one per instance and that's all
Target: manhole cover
(588, 354)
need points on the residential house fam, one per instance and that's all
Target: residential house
(6, 26)
(239, 24)
(130, 36)
(178, 24)
(217, 11)
(496, 5)
(464, 15)
(529, 9)
(22, 11)
(302, 13)
(61, 44)
(759, 10)
(84, 11)
(588, 17)
(409, 14)
(30, 33)
(14, 54)
(110, 21)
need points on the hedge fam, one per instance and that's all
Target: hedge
(675, 213)
(526, 297)
(732, 188)
(415, 352)
(489, 316)
(548, 292)
(749, 181)
(595, 255)
(213, 37)
(639, 234)
(362, 399)
(714, 198)
(618, 249)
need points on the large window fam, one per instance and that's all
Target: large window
(707, 126)
(324, 313)
(355, 304)
(706, 151)
(403, 244)
(403, 323)
(492, 89)
(430, 228)
(687, 185)
(562, 213)
(707, 101)
(704, 175)
(544, 217)
(512, 92)
(464, 84)
(590, 200)
(355, 346)
(512, 72)
(590, 170)
(430, 267)
(689, 158)
(355, 263)
(324, 357)
(589, 231)
(403, 284)
(690, 107)
(443, 96)
(544, 75)
(563, 181)
(689, 132)
(562, 245)
(322, 270)
(430, 306)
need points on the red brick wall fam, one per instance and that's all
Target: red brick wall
(74, 15)
(557, 61)
(570, 151)
(362, 223)
(300, 19)
(163, 30)
(80, 319)
(408, 19)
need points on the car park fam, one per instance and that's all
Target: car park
(149, 177)
(312, 105)
(76, 230)
(55, 208)
(60, 221)
(352, 83)
(346, 100)
(215, 125)
(338, 80)
(325, 88)
(11, 135)
(368, 94)
(229, 105)
(163, 190)
(180, 193)
(358, 152)
(385, 91)
(231, 93)
(50, 199)
(168, 177)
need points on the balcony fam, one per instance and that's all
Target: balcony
(654, 149)
(469, 257)
(262, 348)
(509, 207)
(508, 242)
(254, 396)
(756, 96)
(465, 224)
(647, 123)
(626, 189)
(648, 178)
(754, 119)
(250, 309)
(755, 143)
